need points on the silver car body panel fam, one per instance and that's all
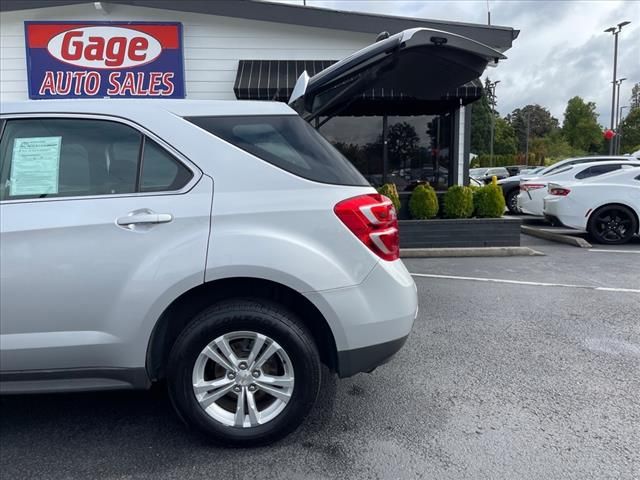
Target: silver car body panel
(80, 291)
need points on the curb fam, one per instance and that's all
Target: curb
(469, 252)
(555, 237)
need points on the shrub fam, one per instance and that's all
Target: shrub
(390, 191)
(458, 202)
(489, 201)
(423, 202)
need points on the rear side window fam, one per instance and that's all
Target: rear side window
(288, 142)
(558, 170)
(597, 170)
(160, 171)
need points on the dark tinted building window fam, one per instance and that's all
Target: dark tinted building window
(418, 148)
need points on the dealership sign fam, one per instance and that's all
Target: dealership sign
(104, 59)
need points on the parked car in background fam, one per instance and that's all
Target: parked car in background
(533, 191)
(511, 186)
(515, 169)
(477, 173)
(486, 174)
(606, 206)
(475, 183)
(530, 170)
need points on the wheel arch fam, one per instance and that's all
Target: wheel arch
(183, 309)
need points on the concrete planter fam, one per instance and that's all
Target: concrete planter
(468, 232)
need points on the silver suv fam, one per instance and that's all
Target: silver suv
(225, 247)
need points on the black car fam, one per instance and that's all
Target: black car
(515, 169)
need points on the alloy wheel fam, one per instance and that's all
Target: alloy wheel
(613, 225)
(243, 379)
(513, 202)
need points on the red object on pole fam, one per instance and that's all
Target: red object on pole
(609, 134)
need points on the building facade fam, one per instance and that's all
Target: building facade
(245, 49)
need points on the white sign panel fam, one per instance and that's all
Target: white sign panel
(35, 166)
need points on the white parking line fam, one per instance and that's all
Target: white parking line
(519, 282)
(602, 250)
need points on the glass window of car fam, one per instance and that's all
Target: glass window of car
(558, 170)
(160, 170)
(497, 172)
(288, 142)
(64, 157)
(597, 170)
(60, 157)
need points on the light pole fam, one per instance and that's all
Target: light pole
(526, 154)
(615, 31)
(616, 143)
(492, 90)
(618, 137)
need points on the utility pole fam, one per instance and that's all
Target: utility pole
(618, 136)
(615, 31)
(526, 155)
(492, 98)
(616, 144)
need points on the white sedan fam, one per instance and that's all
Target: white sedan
(607, 206)
(533, 191)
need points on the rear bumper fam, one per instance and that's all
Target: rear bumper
(529, 206)
(564, 213)
(366, 359)
(370, 321)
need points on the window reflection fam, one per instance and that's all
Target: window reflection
(418, 148)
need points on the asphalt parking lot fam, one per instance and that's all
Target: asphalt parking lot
(498, 380)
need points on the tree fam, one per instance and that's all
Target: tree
(634, 101)
(552, 147)
(480, 126)
(580, 127)
(403, 144)
(481, 112)
(504, 142)
(541, 123)
(630, 132)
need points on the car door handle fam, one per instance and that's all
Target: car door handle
(144, 218)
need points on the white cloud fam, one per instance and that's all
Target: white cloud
(561, 52)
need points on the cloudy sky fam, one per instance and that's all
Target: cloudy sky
(561, 52)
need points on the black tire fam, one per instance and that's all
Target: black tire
(512, 201)
(612, 225)
(257, 316)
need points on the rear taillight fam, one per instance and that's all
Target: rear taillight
(562, 192)
(372, 218)
(525, 187)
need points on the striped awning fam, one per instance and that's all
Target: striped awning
(275, 79)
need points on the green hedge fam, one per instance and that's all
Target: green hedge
(489, 201)
(389, 190)
(458, 202)
(423, 203)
